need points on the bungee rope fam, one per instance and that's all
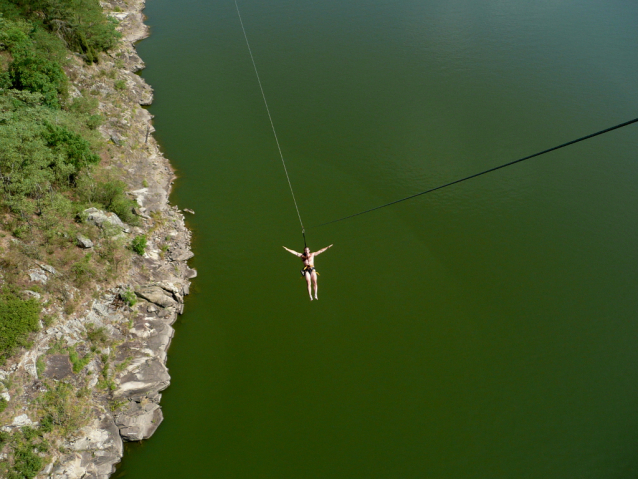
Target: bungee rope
(263, 95)
(606, 130)
(490, 170)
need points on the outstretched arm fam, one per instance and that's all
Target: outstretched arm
(293, 252)
(322, 250)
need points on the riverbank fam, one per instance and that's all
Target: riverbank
(104, 360)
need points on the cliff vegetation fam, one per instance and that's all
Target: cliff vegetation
(54, 165)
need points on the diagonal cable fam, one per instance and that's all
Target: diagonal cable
(601, 132)
(252, 58)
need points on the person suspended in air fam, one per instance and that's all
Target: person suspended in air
(308, 270)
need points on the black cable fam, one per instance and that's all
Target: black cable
(481, 173)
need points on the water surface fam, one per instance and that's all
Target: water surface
(488, 330)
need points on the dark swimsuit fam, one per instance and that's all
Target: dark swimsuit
(308, 269)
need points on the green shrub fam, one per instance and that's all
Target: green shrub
(65, 411)
(36, 155)
(97, 336)
(29, 433)
(94, 121)
(129, 297)
(14, 35)
(75, 149)
(3, 404)
(18, 318)
(120, 84)
(82, 271)
(46, 423)
(42, 446)
(109, 195)
(38, 75)
(77, 362)
(26, 463)
(84, 104)
(48, 319)
(82, 23)
(40, 366)
(139, 244)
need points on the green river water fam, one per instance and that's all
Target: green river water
(489, 330)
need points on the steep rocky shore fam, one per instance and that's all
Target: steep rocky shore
(118, 388)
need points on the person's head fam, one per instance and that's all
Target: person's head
(306, 251)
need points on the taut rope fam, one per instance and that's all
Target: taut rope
(263, 95)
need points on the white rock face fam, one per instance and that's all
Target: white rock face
(103, 220)
(21, 421)
(83, 241)
(139, 421)
(97, 448)
(31, 294)
(31, 369)
(47, 268)
(37, 275)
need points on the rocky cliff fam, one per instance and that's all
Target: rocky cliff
(105, 359)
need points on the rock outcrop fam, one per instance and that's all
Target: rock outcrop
(139, 421)
(105, 220)
(93, 454)
(83, 241)
(121, 378)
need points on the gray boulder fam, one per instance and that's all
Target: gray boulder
(139, 421)
(37, 275)
(47, 268)
(83, 241)
(93, 452)
(105, 220)
(181, 254)
(149, 376)
(156, 295)
(58, 367)
(27, 293)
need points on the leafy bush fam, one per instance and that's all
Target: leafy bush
(84, 105)
(29, 433)
(83, 271)
(139, 244)
(129, 297)
(74, 149)
(62, 408)
(77, 362)
(94, 121)
(46, 423)
(109, 195)
(40, 149)
(26, 463)
(81, 23)
(14, 35)
(40, 366)
(18, 318)
(97, 336)
(3, 404)
(38, 75)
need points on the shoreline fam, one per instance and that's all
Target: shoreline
(119, 387)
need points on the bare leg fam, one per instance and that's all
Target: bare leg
(307, 275)
(314, 280)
